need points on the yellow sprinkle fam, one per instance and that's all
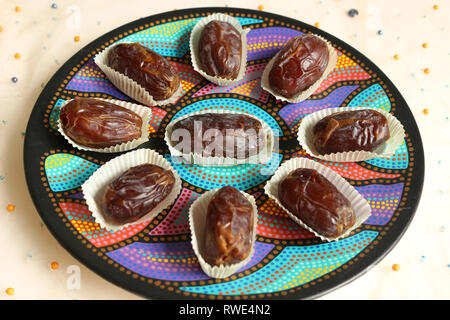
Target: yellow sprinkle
(18, 9)
(11, 207)
(317, 25)
(424, 45)
(76, 38)
(260, 7)
(396, 56)
(426, 111)
(17, 56)
(1, 28)
(395, 267)
(9, 291)
(435, 7)
(426, 71)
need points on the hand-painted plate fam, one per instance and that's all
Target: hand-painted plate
(155, 259)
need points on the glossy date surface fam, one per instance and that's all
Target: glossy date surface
(148, 68)
(363, 130)
(229, 228)
(220, 50)
(99, 124)
(135, 193)
(219, 135)
(314, 200)
(299, 64)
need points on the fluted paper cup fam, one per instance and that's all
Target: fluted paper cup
(197, 223)
(94, 188)
(127, 85)
(194, 42)
(387, 149)
(144, 112)
(358, 202)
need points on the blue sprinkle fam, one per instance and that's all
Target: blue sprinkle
(49, 35)
(22, 134)
(446, 118)
(54, 5)
(442, 229)
(14, 79)
(422, 258)
(29, 255)
(439, 161)
(3, 121)
(54, 18)
(380, 32)
(353, 12)
(412, 74)
(2, 177)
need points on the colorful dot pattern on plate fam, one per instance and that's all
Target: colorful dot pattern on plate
(293, 266)
(82, 220)
(288, 259)
(66, 171)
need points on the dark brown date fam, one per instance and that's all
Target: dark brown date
(148, 68)
(219, 135)
(220, 50)
(298, 65)
(314, 200)
(229, 228)
(135, 193)
(363, 130)
(99, 124)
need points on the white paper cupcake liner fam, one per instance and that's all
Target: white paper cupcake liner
(144, 112)
(127, 85)
(305, 137)
(358, 202)
(262, 157)
(195, 38)
(94, 188)
(303, 95)
(197, 223)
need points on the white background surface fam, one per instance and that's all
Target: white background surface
(44, 38)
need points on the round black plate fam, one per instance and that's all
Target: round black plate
(155, 259)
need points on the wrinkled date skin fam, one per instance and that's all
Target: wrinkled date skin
(363, 130)
(237, 136)
(315, 201)
(135, 193)
(99, 124)
(229, 228)
(148, 68)
(298, 65)
(220, 50)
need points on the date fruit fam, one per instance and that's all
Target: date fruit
(99, 124)
(220, 50)
(299, 64)
(149, 69)
(219, 135)
(360, 130)
(314, 200)
(229, 228)
(135, 193)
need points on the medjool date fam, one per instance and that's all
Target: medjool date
(148, 68)
(135, 193)
(229, 228)
(299, 64)
(359, 130)
(220, 50)
(315, 201)
(99, 124)
(219, 135)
